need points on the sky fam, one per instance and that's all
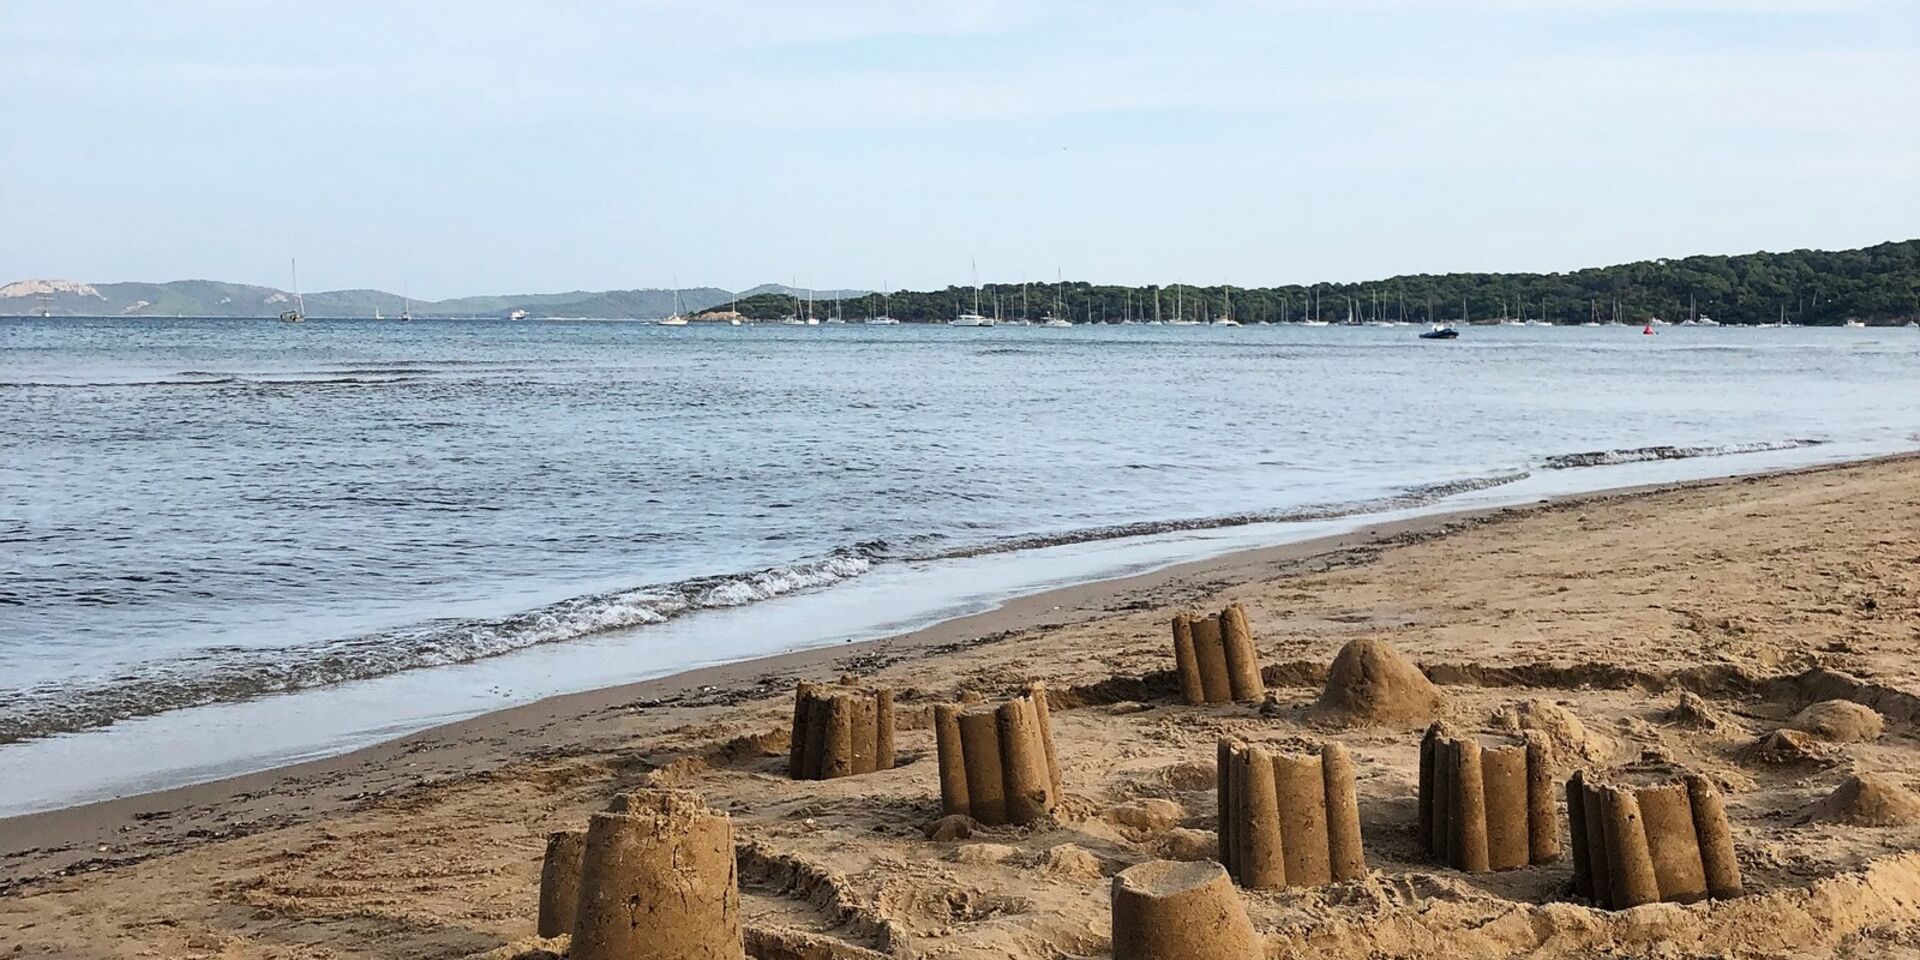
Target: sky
(498, 146)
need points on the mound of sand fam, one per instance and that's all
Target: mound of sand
(1372, 684)
(1569, 742)
(1866, 800)
(1142, 819)
(1695, 713)
(530, 948)
(1070, 862)
(1785, 748)
(1182, 843)
(953, 826)
(1839, 721)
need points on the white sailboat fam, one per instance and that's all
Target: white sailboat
(885, 318)
(1180, 308)
(1226, 313)
(299, 312)
(1310, 310)
(677, 319)
(973, 318)
(406, 304)
(1053, 317)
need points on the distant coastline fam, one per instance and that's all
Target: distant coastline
(1871, 285)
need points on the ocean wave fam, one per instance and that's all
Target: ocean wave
(374, 369)
(1600, 458)
(237, 673)
(375, 377)
(1407, 498)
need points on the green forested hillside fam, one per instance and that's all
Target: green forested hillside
(1878, 284)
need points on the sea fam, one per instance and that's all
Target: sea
(228, 545)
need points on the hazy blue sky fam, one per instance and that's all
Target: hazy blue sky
(513, 147)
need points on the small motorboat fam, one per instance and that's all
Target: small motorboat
(1441, 331)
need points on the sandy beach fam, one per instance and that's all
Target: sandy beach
(1681, 624)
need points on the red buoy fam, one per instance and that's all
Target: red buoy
(1647, 330)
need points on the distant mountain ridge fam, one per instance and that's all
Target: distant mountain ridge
(214, 298)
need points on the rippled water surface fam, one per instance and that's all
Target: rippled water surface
(195, 512)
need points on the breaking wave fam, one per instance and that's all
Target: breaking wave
(236, 673)
(1407, 498)
(1601, 458)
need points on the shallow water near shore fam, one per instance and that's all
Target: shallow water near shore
(204, 515)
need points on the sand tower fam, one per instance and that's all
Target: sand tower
(1487, 806)
(1644, 838)
(560, 882)
(840, 732)
(1172, 910)
(997, 763)
(658, 882)
(1215, 657)
(1288, 820)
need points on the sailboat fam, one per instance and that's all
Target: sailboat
(1226, 313)
(376, 314)
(1180, 308)
(406, 304)
(299, 312)
(973, 319)
(678, 319)
(1053, 317)
(885, 318)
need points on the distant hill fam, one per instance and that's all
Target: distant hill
(784, 290)
(1879, 285)
(213, 298)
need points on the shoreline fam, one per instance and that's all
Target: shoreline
(133, 828)
(220, 740)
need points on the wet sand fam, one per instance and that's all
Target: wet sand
(1758, 595)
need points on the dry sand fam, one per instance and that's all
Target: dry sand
(1683, 623)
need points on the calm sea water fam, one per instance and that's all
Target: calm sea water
(194, 514)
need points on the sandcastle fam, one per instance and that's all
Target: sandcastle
(1288, 820)
(1215, 657)
(840, 732)
(997, 763)
(1487, 807)
(1171, 910)
(1667, 841)
(560, 882)
(654, 855)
